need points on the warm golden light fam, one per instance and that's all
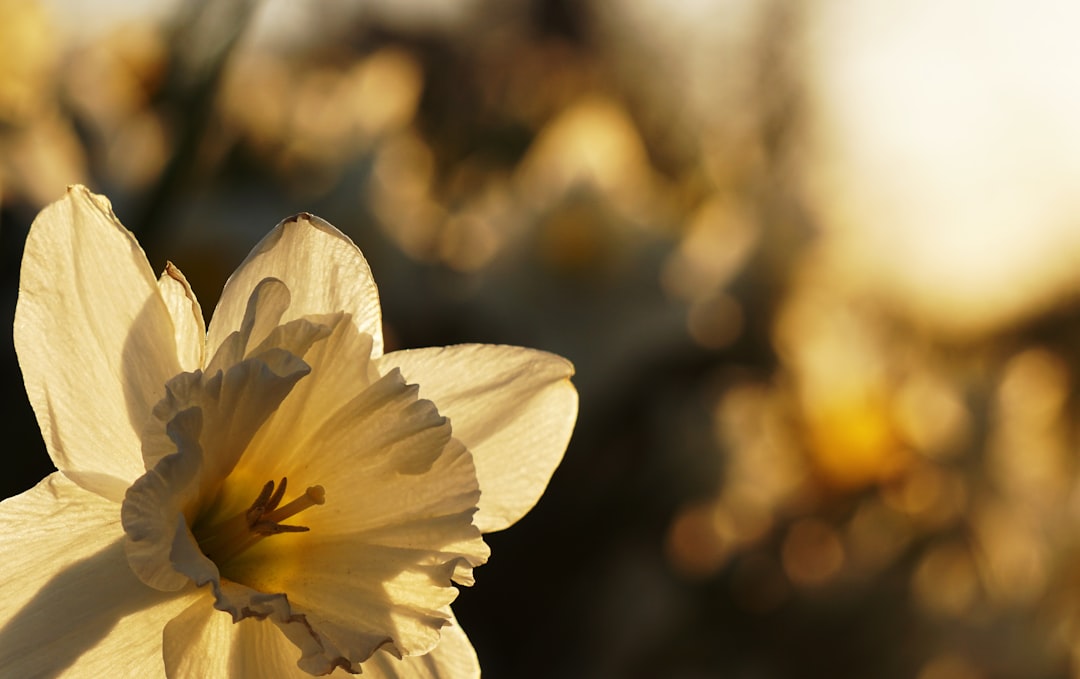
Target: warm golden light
(945, 151)
(812, 552)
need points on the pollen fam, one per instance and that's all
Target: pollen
(226, 539)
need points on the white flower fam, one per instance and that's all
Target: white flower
(272, 497)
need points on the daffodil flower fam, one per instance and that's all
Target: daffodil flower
(271, 497)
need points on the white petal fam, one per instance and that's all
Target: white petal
(340, 370)
(322, 269)
(198, 642)
(241, 386)
(94, 338)
(268, 301)
(513, 408)
(205, 642)
(395, 530)
(153, 511)
(71, 605)
(188, 326)
(453, 658)
(209, 423)
(200, 631)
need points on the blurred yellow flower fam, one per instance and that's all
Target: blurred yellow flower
(173, 514)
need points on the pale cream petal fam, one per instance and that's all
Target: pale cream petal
(198, 642)
(513, 408)
(395, 529)
(205, 642)
(94, 338)
(340, 370)
(134, 643)
(268, 301)
(363, 596)
(188, 326)
(235, 403)
(209, 424)
(316, 648)
(71, 605)
(453, 658)
(153, 511)
(323, 430)
(322, 269)
(241, 386)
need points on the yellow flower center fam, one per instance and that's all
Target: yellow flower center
(226, 539)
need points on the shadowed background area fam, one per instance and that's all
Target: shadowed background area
(817, 264)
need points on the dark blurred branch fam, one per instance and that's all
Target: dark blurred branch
(204, 37)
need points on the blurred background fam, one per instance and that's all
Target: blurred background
(817, 264)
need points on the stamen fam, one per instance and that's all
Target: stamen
(315, 495)
(232, 536)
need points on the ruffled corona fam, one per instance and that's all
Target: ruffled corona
(182, 521)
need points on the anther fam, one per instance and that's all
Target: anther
(264, 518)
(270, 516)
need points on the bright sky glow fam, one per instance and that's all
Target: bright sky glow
(946, 152)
